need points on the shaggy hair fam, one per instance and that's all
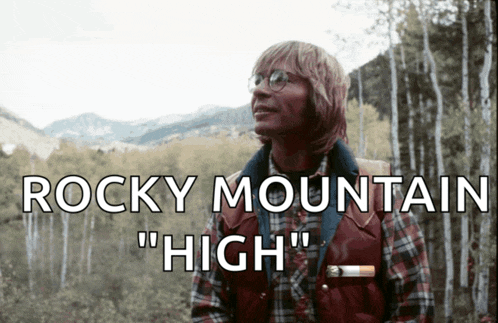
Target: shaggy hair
(329, 85)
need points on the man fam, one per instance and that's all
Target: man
(298, 103)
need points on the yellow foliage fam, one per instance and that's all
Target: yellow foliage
(376, 132)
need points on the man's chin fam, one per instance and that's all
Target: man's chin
(260, 130)
(264, 131)
(271, 132)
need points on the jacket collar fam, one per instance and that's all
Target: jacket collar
(257, 167)
(342, 164)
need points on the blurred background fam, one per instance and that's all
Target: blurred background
(151, 88)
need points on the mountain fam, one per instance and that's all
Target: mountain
(91, 128)
(205, 110)
(234, 121)
(17, 132)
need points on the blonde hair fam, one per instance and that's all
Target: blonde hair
(329, 86)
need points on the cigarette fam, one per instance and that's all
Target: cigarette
(350, 271)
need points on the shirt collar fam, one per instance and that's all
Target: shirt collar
(322, 170)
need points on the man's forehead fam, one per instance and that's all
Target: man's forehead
(280, 64)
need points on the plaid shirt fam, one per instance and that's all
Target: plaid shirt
(404, 259)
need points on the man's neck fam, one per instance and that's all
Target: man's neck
(293, 155)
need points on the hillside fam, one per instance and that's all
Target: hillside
(8, 115)
(17, 132)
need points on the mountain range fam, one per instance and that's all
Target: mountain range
(91, 128)
(99, 133)
(234, 121)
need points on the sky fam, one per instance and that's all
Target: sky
(131, 60)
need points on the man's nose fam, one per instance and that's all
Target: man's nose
(263, 88)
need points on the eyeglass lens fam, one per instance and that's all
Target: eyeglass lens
(278, 80)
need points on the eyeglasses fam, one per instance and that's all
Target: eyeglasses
(277, 81)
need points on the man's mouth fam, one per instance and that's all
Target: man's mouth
(263, 110)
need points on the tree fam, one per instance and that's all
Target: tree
(483, 290)
(51, 248)
(362, 144)
(394, 95)
(65, 237)
(464, 279)
(411, 143)
(28, 226)
(83, 241)
(462, 138)
(448, 310)
(90, 245)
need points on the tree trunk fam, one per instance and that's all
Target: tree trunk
(421, 121)
(121, 249)
(431, 242)
(394, 98)
(440, 170)
(83, 241)
(65, 225)
(36, 247)
(146, 232)
(427, 107)
(51, 247)
(43, 237)
(29, 248)
(65, 237)
(361, 145)
(483, 287)
(421, 164)
(90, 245)
(36, 242)
(464, 256)
(411, 143)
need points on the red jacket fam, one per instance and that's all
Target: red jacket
(357, 241)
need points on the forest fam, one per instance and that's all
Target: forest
(427, 105)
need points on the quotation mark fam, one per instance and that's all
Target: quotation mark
(142, 239)
(305, 239)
